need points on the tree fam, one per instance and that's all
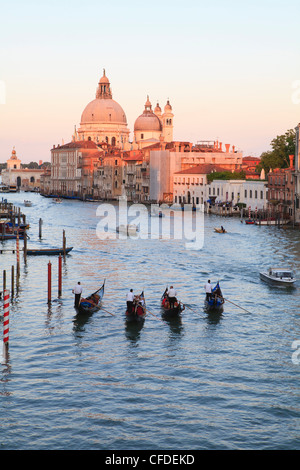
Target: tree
(282, 146)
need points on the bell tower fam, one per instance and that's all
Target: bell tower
(167, 121)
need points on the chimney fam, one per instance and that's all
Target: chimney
(233, 148)
(291, 161)
(227, 147)
(220, 145)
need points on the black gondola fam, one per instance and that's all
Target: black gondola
(168, 312)
(138, 313)
(216, 301)
(92, 303)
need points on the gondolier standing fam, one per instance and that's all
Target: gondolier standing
(172, 296)
(77, 291)
(130, 299)
(208, 289)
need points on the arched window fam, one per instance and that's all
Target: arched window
(113, 141)
(32, 179)
(89, 138)
(106, 139)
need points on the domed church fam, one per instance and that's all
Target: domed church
(103, 119)
(152, 127)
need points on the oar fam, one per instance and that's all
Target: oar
(235, 304)
(108, 311)
(185, 305)
(155, 316)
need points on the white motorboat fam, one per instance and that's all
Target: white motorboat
(281, 276)
(57, 200)
(130, 229)
(28, 203)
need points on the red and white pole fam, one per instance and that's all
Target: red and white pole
(249, 212)
(6, 320)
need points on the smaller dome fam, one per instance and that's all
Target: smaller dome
(147, 122)
(157, 109)
(168, 107)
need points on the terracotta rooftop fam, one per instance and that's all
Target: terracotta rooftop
(202, 169)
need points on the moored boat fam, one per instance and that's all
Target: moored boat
(138, 312)
(49, 251)
(279, 276)
(92, 303)
(216, 301)
(170, 311)
(249, 222)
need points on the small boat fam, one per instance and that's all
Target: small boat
(138, 313)
(49, 251)
(130, 229)
(28, 203)
(167, 311)
(216, 302)
(57, 200)
(279, 276)
(249, 222)
(220, 230)
(271, 221)
(92, 303)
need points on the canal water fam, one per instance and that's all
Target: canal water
(205, 382)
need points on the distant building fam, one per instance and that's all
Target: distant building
(281, 190)
(16, 177)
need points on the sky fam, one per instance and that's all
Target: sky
(230, 69)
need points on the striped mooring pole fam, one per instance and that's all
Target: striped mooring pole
(6, 320)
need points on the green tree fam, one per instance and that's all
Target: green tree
(282, 146)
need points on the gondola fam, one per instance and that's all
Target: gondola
(168, 312)
(216, 302)
(138, 313)
(92, 303)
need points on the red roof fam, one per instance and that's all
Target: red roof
(203, 169)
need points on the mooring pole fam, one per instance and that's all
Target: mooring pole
(6, 323)
(49, 282)
(59, 276)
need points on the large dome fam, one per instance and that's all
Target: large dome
(102, 111)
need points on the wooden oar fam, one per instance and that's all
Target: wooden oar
(107, 311)
(155, 316)
(235, 304)
(185, 305)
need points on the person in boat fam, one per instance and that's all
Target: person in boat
(172, 296)
(130, 298)
(222, 229)
(208, 289)
(77, 291)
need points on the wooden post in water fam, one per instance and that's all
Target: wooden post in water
(49, 282)
(59, 276)
(12, 280)
(6, 324)
(4, 281)
(25, 245)
(40, 228)
(18, 256)
(64, 244)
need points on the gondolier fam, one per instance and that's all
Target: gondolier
(77, 291)
(172, 296)
(208, 289)
(130, 299)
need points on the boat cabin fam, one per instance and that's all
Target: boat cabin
(281, 273)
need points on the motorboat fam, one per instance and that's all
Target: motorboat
(130, 229)
(28, 203)
(281, 276)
